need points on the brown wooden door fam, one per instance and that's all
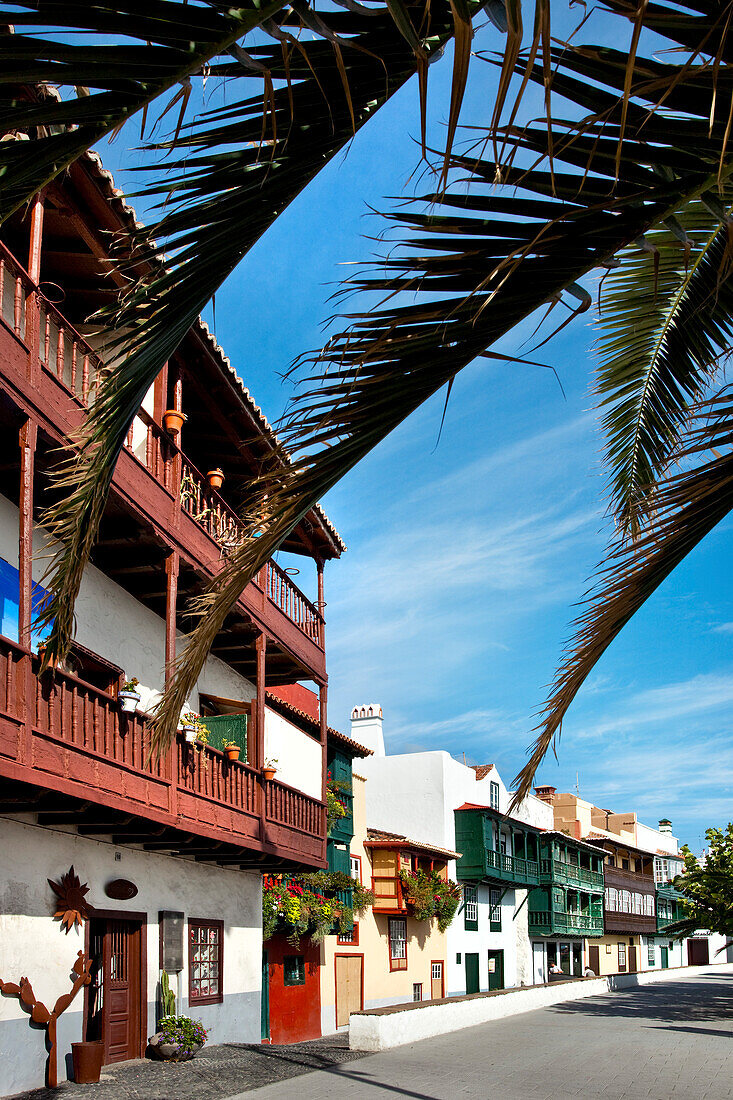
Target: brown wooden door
(115, 1008)
(632, 959)
(594, 959)
(349, 972)
(436, 980)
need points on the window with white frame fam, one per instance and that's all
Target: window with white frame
(625, 898)
(650, 954)
(649, 905)
(417, 991)
(398, 943)
(356, 868)
(638, 903)
(494, 795)
(470, 898)
(661, 869)
(622, 956)
(612, 899)
(436, 972)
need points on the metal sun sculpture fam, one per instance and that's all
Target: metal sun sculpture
(71, 907)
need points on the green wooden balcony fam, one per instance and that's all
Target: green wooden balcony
(668, 906)
(555, 870)
(511, 868)
(545, 922)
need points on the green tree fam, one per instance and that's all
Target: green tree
(707, 887)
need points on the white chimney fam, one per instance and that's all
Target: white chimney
(366, 727)
(665, 826)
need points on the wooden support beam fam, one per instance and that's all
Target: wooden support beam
(34, 251)
(172, 569)
(256, 756)
(27, 439)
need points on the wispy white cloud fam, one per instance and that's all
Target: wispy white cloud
(723, 628)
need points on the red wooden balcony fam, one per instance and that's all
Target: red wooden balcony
(51, 372)
(68, 753)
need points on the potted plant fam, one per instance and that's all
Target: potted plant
(178, 1038)
(232, 749)
(269, 768)
(193, 727)
(52, 664)
(129, 696)
(215, 478)
(173, 420)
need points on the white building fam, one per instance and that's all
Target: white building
(417, 794)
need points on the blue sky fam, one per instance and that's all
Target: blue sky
(465, 559)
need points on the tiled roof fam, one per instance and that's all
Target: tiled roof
(378, 838)
(482, 770)
(287, 708)
(126, 213)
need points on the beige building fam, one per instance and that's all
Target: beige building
(390, 957)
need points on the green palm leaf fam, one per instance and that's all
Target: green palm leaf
(665, 319)
(683, 510)
(474, 265)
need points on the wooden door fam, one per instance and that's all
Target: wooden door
(349, 972)
(437, 988)
(496, 970)
(594, 959)
(664, 951)
(697, 953)
(632, 959)
(472, 980)
(114, 1006)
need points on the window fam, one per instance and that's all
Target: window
(661, 869)
(622, 956)
(294, 970)
(351, 937)
(470, 913)
(494, 795)
(648, 905)
(406, 861)
(397, 943)
(638, 904)
(650, 954)
(495, 912)
(356, 868)
(611, 899)
(417, 991)
(205, 961)
(625, 901)
(436, 972)
(458, 958)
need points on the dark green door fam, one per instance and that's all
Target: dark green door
(265, 999)
(472, 982)
(496, 970)
(665, 957)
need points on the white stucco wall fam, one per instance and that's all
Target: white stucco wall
(32, 945)
(299, 757)
(651, 840)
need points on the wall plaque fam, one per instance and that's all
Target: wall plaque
(121, 889)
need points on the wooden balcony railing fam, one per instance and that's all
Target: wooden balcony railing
(67, 357)
(59, 733)
(551, 922)
(556, 870)
(512, 868)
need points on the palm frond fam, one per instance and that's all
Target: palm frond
(685, 508)
(231, 172)
(475, 264)
(158, 45)
(665, 319)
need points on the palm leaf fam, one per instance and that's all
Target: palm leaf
(686, 508)
(665, 319)
(230, 174)
(475, 264)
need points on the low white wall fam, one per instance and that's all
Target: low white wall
(410, 1023)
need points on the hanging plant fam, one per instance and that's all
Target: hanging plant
(309, 905)
(336, 807)
(429, 895)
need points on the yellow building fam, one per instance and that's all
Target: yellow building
(390, 957)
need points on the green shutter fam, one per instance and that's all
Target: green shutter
(228, 727)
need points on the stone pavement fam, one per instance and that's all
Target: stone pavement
(671, 1041)
(215, 1073)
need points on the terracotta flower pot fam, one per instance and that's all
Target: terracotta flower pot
(87, 1059)
(233, 754)
(215, 478)
(169, 1052)
(269, 773)
(173, 420)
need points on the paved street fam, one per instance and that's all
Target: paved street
(674, 1039)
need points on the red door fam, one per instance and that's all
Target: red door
(115, 1008)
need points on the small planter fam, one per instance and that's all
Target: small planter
(87, 1060)
(129, 701)
(233, 753)
(52, 664)
(173, 420)
(189, 732)
(215, 478)
(170, 1052)
(269, 773)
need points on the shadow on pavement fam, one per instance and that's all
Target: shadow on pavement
(704, 999)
